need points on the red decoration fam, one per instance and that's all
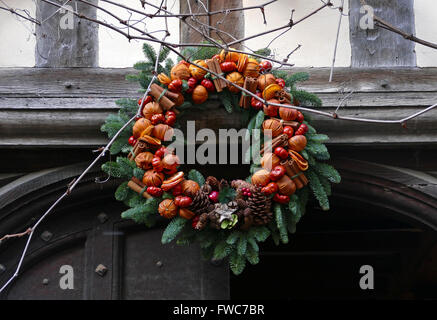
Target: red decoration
(277, 173)
(183, 201)
(281, 153)
(280, 82)
(175, 85)
(288, 131)
(213, 196)
(155, 191)
(228, 66)
(303, 128)
(195, 221)
(300, 117)
(170, 118)
(208, 84)
(132, 141)
(157, 118)
(157, 164)
(177, 190)
(192, 83)
(271, 188)
(280, 198)
(146, 101)
(161, 152)
(265, 66)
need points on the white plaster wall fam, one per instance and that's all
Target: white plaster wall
(316, 35)
(17, 43)
(426, 28)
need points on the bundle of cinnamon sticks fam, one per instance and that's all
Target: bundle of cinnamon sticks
(279, 141)
(292, 170)
(137, 186)
(283, 96)
(214, 66)
(250, 84)
(139, 147)
(163, 98)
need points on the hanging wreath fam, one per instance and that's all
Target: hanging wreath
(226, 218)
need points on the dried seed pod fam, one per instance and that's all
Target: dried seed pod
(288, 114)
(197, 72)
(261, 178)
(144, 160)
(252, 68)
(180, 72)
(229, 56)
(237, 78)
(168, 209)
(153, 178)
(286, 186)
(200, 94)
(297, 143)
(190, 187)
(150, 109)
(274, 126)
(163, 132)
(139, 126)
(265, 79)
(270, 160)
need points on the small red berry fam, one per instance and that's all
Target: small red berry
(213, 196)
(303, 128)
(157, 118)
(177, 190)
(280, 82)
(208, 84)
(288, 131)
(265, 66)
(132, 141)
(195, 221)
(300, 117)
(146, 101)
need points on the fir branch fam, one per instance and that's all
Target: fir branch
(196, 176)
(173, 229)
(237, 263)
(318, 190)
(281, 224)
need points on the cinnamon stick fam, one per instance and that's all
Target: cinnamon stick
(250, 84)
(291, 173)
(296, 168)
(138, 188)
(139, 147)
(294, 124)
(214, 66)
(160, 96)
(279, 141)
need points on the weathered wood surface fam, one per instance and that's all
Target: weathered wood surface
(64, 40)
(76, 101)
(233, 23)
(379, 47)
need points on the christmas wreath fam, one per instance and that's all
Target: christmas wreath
(228, 219)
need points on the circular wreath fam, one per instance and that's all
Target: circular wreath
(227, 218)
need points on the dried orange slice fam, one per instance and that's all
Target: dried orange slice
(301, 162)
(270, 91)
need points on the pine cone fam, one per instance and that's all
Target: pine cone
(213, 182)
(206, 188)
(242, 204)
(223, 184)
(201, 203)
(203, 221)
(260, 206)
(238, 184)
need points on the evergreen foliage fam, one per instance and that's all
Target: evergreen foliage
(234, 244)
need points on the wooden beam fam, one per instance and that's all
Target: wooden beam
(76, 103)
(64, 40)
(232, 23)
(378, 47)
